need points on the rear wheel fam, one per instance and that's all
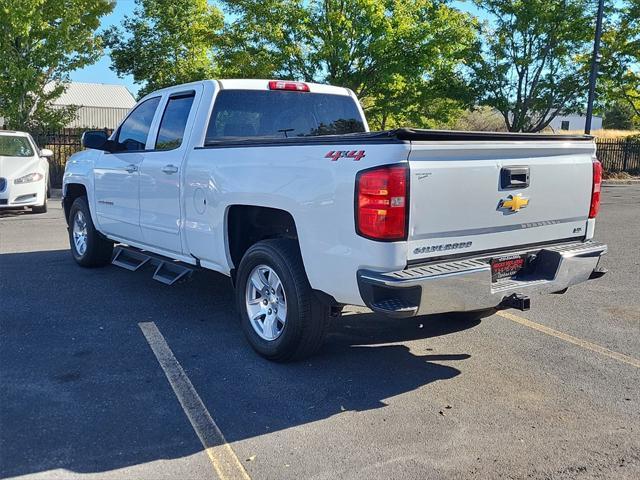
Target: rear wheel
(88, 247)
(280, 315)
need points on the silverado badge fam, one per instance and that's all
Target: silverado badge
(514, 202)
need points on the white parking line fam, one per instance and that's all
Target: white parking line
(621, 357)
(222, 457)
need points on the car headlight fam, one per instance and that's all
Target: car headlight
(31, 177)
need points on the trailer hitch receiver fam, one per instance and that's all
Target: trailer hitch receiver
(517, 301)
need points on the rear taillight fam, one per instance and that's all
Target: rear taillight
(290, 86)
(595, 192)
(382, 203)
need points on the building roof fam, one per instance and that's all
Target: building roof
(96, 95)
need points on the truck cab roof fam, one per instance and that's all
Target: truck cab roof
(254, 84)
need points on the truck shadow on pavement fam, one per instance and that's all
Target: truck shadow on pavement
(82, 391)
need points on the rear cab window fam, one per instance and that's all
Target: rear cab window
(281, 114)
(174, 121)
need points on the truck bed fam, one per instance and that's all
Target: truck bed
(398, 135)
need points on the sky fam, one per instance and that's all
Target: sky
(100, 72)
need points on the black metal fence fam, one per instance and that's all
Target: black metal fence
(616, 154)
(619, 154)
(64, 143)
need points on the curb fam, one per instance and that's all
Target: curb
(614, 181)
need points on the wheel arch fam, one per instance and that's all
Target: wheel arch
(246, 225)
(70, 193)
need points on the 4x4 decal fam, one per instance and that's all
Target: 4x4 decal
(334, 155)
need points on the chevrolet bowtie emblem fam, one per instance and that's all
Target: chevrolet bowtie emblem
(514, 202)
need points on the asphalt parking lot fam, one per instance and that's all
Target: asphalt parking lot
(552, 393)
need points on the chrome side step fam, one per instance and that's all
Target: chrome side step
(128, 258)
(170, 272)
(167, 271)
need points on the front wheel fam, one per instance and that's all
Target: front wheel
(40, 208)
(280, 315)
(88, 247)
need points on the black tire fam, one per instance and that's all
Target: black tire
(307, 319)
(98, 249)
(40, 208)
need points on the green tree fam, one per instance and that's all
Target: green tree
(165, 43)
(482, 119)
(401, 57)
(619, 79)
(41, 41)
(619, 117)
(533, 61)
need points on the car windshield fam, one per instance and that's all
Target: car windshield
(14, 146)
(280, 114)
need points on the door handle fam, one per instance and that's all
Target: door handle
(131, 168)
(169, 169)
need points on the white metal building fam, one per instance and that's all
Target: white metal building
(574, 122)
(101, 105)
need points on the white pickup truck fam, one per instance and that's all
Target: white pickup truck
(281, 186)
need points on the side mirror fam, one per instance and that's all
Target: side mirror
(95, 139)
(46, 153)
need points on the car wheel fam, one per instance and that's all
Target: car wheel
(88, 247)
(280, 315)
(40, 208)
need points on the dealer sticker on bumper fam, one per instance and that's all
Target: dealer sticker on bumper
(503, 267)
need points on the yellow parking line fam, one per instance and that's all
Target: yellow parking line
(222, 457)
(571, 339)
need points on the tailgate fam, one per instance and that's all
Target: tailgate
(478, 196)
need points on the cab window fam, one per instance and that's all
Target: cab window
(174, 121)
(280, 114)
(132, 135)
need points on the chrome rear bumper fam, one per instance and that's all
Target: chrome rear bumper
(465, 285)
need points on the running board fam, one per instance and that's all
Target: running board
(129, 259)
(167, 271)
(170, 272)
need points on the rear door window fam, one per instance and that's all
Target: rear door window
(133, 133)
(281, 114)
(174, 121)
